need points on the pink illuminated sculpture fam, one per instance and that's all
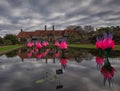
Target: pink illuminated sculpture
(38, 45)
(106, 42)
(63, 45)
(57, 44)
(30, 44)
(45, 43)
(99, 43)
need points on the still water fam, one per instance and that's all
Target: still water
(78, 71)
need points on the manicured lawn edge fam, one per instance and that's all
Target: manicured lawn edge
(5, 49)
(90, 46)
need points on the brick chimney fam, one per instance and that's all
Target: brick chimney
(21, 30)
(53, 27)
(45, 27)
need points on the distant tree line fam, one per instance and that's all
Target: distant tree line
(88, 34)
(8, 39)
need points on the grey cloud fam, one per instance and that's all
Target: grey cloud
(34, 14)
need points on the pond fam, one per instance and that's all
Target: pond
(79, 70)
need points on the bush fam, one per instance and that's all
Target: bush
(7, 42)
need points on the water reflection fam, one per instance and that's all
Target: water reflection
(63, 62)
(105, 68)
(99, 61)
(108, 72)
(48, 70)
(12, 54)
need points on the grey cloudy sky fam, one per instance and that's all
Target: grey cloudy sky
(34, 14)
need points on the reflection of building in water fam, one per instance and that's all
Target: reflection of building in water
(73, 55)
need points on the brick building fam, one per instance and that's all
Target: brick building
(49, 35)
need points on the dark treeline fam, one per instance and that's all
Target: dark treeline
(89, 35)
(8, 39)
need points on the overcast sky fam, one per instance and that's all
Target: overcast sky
(34, 14)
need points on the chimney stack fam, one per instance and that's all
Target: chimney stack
(53, 27)
(21, 30)
(45, 27)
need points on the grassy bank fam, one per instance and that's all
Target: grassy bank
(117, 47)
(4, 49)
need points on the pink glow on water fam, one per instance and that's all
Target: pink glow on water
(45, 53)
(57, 54)
(63, 61)
(39, 55)
(99, 60)
(29, 54)
(107, 73)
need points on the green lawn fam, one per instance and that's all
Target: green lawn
(12, 47)
(117, 47)
(9, 48)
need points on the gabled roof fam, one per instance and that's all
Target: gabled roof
(40, 33)
(24, 34)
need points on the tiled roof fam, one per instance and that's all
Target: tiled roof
(40, 33)
(25, 34)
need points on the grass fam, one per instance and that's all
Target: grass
(9, 48)
(82, 45)
(117, 47)
(4, 49)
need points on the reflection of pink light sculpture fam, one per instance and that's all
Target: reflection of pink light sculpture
(29, 44)
(57, 43)
(63, 45)
(29, 54)
(99, 60)
(45, 53)
(38, 45)
(107, 73)
(57, 54)
(39, 55)
(63, 62)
